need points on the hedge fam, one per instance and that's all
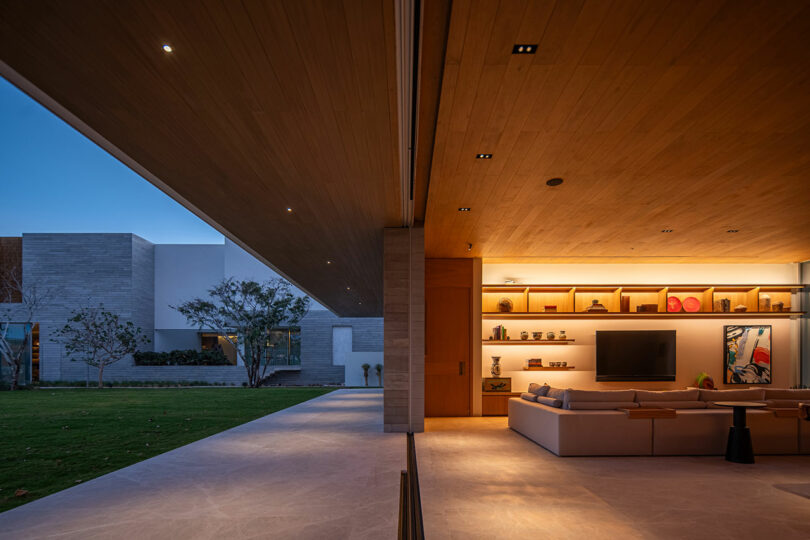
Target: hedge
(181, 358)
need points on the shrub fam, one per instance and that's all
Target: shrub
(181, 358)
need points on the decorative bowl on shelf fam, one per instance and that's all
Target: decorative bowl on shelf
(691, 304)
(740, 309)
(673, 304)
(596, 307)
(537, 335)
(505, 305)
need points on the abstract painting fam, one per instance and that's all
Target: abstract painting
(747, 354)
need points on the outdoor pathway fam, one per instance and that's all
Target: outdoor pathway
(320, 469)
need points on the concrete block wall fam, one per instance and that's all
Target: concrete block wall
(84, 270)
(316, 347)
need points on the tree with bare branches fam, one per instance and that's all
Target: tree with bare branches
(99, 338)
(244, 312)
(19, 305)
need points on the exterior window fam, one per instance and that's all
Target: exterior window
(19, 338)
(283, 347)
(215, 342)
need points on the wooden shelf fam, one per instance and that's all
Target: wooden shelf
(561, 368)
(658, 315)
(528, 341)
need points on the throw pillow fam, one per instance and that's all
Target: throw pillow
(538, 390)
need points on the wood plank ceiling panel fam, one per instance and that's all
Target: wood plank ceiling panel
(687, 115)
(260, 107)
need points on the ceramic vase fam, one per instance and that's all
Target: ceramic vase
(495, 369)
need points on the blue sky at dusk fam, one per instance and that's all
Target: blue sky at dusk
(53, 179)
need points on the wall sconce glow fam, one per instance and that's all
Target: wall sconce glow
(167, 48)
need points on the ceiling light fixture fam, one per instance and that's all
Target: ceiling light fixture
(469, 247)
(167, 47)
(464, 209)
(483, 156)
(524, 48)
(554, 182)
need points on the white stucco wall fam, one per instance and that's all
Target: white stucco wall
(184, 272)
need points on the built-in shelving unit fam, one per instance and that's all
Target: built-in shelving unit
(544, 368)
(622, 301)
(528, 341)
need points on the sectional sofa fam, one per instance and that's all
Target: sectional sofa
(587, 423)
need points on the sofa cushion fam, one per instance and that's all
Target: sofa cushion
(668, 395)
(752, 394)
(786, 393)
(538, 389)
(556, 393)
(600, 405)
(696, 404)
(551, 402)
(578, 396)
(528, 396)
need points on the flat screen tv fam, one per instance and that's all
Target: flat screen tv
(635, 355)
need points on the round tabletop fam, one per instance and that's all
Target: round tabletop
(747, 404)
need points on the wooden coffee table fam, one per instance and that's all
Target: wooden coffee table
(739, 448)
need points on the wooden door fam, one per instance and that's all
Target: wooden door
(447, 351)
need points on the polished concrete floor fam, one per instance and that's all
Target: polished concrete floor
(482, 480)
(325, 469)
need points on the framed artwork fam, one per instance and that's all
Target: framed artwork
(747, 354)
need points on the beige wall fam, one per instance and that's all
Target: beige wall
(699, 341)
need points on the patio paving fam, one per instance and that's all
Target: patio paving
(325, 469)
(320, 469)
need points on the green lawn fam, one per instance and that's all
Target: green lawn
(54, 439)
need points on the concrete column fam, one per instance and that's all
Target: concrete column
(404, 329)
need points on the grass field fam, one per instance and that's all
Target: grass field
(53, 439)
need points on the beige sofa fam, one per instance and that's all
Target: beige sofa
(575, 427)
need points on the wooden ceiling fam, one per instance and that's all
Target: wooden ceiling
(686, 115)
(683, 115)
(261, 106)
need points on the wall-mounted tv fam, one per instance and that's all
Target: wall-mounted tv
(635, 355)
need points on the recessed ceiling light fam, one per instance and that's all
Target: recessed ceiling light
(733, 230)
(289, 209)
(554, 182)
(464, 209)
(524, 48)
(167, 47)
(483, 156)
(666, 230)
